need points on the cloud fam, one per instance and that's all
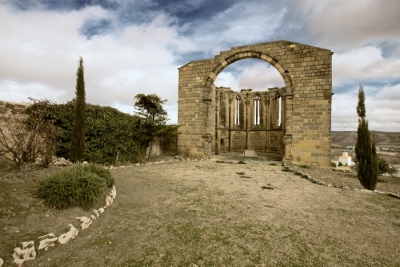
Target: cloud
(339, 23)
(42, 62)
(242, 23)
(382, 109)
(363, 63)
(250, 73)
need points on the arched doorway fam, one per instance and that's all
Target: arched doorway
(307, 74)
(249, 118)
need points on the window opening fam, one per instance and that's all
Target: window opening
(279, 111)
(257, 110)
(237, 110)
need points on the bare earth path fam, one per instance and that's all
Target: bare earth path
(207, 213)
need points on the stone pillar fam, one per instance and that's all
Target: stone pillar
(247, 122)
(230, 123)
(207, 144)
(217, 122)
(266, 112)
(283, 115)
(207, 136)
(288, 138)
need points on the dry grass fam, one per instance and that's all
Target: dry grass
(205, 213)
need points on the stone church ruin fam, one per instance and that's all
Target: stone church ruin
(294, 121)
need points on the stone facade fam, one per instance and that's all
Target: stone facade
(248, 119)
(303, 135)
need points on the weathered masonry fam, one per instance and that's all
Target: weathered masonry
(294, 121)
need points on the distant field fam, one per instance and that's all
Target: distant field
(384, 140)
(341, 138)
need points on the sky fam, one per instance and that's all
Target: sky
(136, 46)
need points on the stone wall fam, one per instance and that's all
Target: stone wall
(307, 73)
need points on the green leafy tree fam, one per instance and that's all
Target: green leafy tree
(367, 167)
(78, 130)
(153, 119)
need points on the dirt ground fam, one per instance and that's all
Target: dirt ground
(212, 213)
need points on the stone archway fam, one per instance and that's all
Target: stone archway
(307, 74)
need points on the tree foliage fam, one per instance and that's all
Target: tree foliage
(153, 118)
(108, 132)
(384, 167)
(28, 137)
(367, 167)
(78, 131)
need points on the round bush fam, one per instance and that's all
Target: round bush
(73, 187)
(101, 172)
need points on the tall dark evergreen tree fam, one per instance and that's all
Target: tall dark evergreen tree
(367, 169)
(78, 130)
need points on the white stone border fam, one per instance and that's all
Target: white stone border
(27, 250)
(315, 181)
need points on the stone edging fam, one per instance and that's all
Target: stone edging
(27, 250)
(176, 159)
(315, 181)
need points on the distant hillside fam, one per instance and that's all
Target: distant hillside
(340, 138)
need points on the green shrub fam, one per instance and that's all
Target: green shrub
(272, 164)
(73, 187)
(340, 164)
(109, 132)
(333, 164)
(101, 172)
(241, 162)
(304, 166)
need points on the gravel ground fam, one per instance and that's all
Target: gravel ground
(217, 212)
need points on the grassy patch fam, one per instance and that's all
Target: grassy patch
(268, 186)
(304, 166)
(221, 161)
(241, 162)
(272, 164)
(286, 169)
(240, 173)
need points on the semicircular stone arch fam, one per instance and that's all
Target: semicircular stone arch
(220, 66)
(307, 99)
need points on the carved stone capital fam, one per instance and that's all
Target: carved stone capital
(287, 139)
(208, 138)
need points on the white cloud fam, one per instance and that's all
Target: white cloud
(361, 64)
(382, 109)
(41, 60)
(260, 76)
(340, 23)
(242, 23)
(257, 76)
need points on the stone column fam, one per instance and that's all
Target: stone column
(288, 138)
(217, 118)
(230, 123)
(208, 136)
(283, 112)
(247, 123)
(266, 112)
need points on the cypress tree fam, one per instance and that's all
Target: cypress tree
(78, 130)
(367, 169)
